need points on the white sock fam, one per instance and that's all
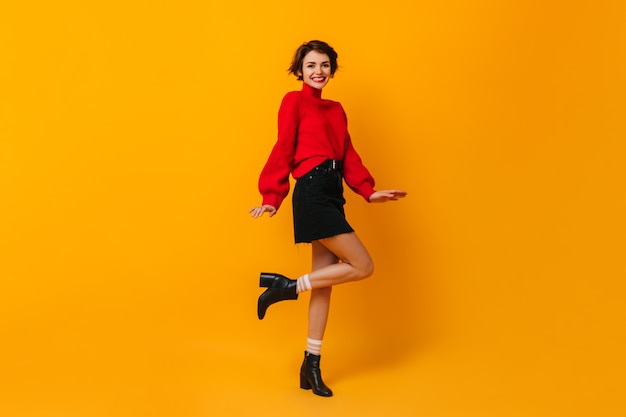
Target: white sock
(303, 284)
(313, 346)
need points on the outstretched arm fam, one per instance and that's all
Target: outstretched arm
(387, 195)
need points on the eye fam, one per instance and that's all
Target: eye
(326, 65)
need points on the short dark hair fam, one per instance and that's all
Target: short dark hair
(305, 48)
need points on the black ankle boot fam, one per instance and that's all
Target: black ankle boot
(279, 288)
(311, 376)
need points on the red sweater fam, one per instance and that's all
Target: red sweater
(311, 130)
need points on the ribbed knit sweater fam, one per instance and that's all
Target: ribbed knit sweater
(311, 130)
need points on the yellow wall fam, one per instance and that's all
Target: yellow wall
(131, 138)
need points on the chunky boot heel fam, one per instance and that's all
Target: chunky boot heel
(268, 278)
(304, 384)
(311, 376)
(279, 288)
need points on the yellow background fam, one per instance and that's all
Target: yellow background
(131, 138)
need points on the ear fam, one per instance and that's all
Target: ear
(299, 73)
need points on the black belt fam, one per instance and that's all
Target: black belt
(331, 164)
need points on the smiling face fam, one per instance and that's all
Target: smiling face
(315, 69)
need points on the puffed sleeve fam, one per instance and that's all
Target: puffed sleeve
(274, 179)
(355, 174)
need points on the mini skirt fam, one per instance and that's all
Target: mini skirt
(318, 204)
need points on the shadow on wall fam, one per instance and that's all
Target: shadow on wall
(389, 317)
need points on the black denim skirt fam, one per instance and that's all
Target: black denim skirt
(318, 204)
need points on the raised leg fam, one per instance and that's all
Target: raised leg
(337, 260)
(355, 264)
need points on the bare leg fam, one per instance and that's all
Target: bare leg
(320, 297)
(336, 260)
(355, 264)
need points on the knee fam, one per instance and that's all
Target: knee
(365, 270)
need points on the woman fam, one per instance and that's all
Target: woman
(314, 146)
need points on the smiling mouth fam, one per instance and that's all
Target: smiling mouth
(319, 79)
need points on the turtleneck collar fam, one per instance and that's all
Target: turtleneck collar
(310, 91)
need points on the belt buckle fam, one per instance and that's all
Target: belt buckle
(334, 165)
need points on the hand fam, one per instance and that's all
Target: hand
(259, 210)
(386, 195)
